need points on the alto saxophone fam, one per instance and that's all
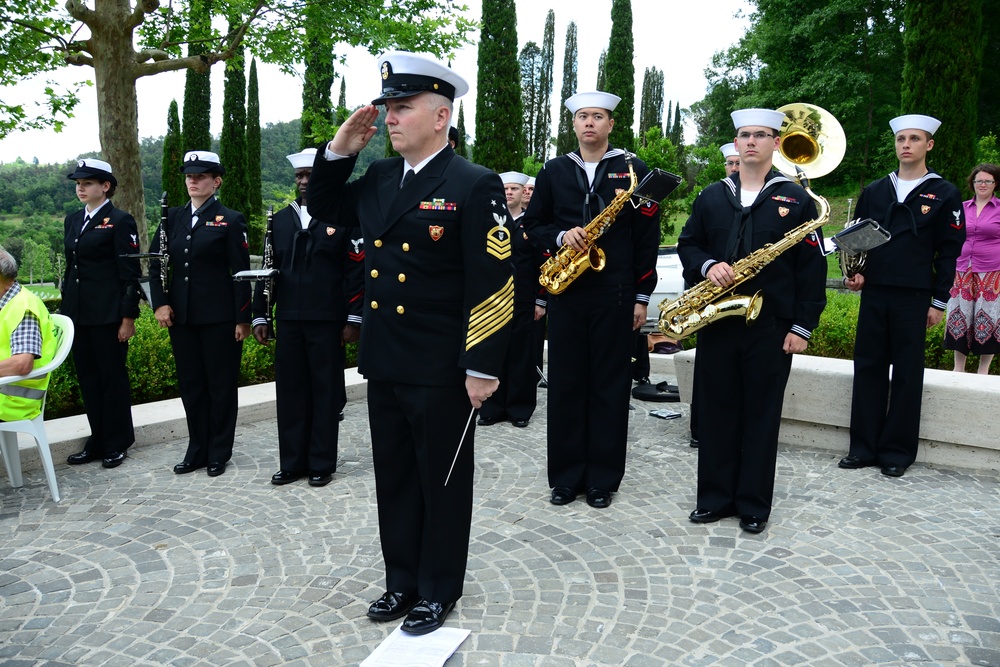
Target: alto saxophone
(706, 302)
(568, 264)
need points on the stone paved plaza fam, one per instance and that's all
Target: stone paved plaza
(138, 566)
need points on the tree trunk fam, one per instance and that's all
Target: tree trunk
(117, 106)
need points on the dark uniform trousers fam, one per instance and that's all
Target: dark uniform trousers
(103, 375)
(516, 396)
(885, 415)
(740, 376)
(589, 380)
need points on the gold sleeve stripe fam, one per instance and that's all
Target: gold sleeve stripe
(491, 315)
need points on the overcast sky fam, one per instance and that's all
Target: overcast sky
(676, 36)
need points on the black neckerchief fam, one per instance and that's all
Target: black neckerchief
(740, 242)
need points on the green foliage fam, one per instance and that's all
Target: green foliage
(462, 146)
(658, 152)
(530, 62)
(531, 167)
(621, 72)
(499, 142)
(953, 51)
(255, 203)
(233, 142)
(987, 150)
(565, 137)
(198, 85)
(317, 106)
(173, 157)
(651, 104)
(543, 119)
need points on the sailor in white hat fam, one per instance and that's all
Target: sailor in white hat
(438, 305)
(732, 158)
(529, 188)
(906, 284)
(731, 219)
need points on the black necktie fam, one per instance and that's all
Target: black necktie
(86, 221)
(407, 177)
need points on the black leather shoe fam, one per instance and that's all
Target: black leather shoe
(702, 515)
(642, 381)
(520, 423)
(693, 442)
(185, 467)
(216, 469)
(341, 418)
(320, 480)
(752, 524)
(489, 421)
(426, 617)
(852, 462)
(81, 458)
(562, 495)
(113, 460)
(391, 606)
(893, 471)
(598, 498)
(283, 477)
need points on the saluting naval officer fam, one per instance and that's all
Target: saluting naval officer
(592, 323)
(515, 398)
(438, 303)
(100, 293)
(743, 370)
(208, 315)
(904, 291)
(317, 305)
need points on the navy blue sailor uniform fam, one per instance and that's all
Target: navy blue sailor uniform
(743, 369)
(319, 289)
(101, 287)
(590, 324)
(207, 306)
(438, 302)
(904, 278)
(516, 397)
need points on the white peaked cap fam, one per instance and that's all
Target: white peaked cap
(729, 150)
(514, 177)
(758, 117)
(914, 121)
(592, 100)
(302, 160)
(405, 74)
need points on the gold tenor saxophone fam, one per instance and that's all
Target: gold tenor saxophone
(567, 264)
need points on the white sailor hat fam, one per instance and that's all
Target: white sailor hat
(592, 100)
(729, 150)
(758, 117)
(915, 121)
(303, 159)
(406, 74)
(514, 177)
(200, 162)
(531, 182)
(96, 169)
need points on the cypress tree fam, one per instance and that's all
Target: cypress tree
(565, 138)
(255, 202)
(461, 147)
(173, 157)
(602, 72)
(543, 121)
(233, 142)
(621, 72)
(317, 107)
(198, 87)
(530, 64)
(677, 132)
(499, 142)
(952, 49)
(342, 112)
(651, 104)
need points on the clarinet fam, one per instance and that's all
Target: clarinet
(267, 264)
(164, 255)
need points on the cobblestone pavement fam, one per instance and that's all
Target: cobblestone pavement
(138, 566)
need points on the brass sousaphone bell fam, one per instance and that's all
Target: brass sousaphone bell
(811, 139)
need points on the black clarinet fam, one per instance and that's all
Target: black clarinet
(164, 255)
(267, 264)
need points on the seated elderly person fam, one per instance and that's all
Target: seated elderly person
(26, 341)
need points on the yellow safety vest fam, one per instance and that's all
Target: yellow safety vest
(23, 400)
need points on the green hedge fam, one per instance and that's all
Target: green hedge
(151, 369)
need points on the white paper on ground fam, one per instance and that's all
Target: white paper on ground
(431, 650)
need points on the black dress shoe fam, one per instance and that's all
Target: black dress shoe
(643, 381)
(391, 606)
(80, 458)
(893, 471)
(284, 477)
(185, 467)
(341, 415)
(561, 495)
(693, 442)
(520, 423)
(426, 617)
(598, 498)
(490, 421)
(752, 524)
(702, 515)
(320, 480)
(113, 460)
(216, 469)
(852, 462)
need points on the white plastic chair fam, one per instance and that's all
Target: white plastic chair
(35, 427)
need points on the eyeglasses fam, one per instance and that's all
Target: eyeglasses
(759, 136)
(983, 182)
(732, 163)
